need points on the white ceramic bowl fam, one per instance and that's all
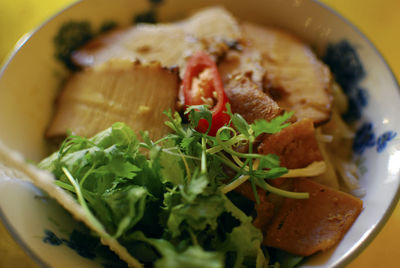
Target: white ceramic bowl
(31, 78)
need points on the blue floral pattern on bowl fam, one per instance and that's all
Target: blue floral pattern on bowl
(365, 138)
(384, 139)
(150, 15)
(86, 246)
(345, 64)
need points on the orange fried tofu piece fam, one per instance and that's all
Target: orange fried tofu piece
(296, 145)
(304, 227)
(265, 209)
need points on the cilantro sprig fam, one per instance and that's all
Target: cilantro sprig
(256, 168)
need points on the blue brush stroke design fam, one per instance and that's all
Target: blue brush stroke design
(87, 246)
(73, 35)
(345, 64)
(51, 238)
(107, 26)
(362, 97)
(365, 138)
(358, 100)
(384, 139)
(148, 16)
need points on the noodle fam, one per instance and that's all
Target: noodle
(314, 169)
(335, 139)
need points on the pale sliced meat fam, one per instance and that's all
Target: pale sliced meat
(247, 62)
(136, 94)
(294, 76)
(211, 29)
(247, 99)
(212, 23)
(146, 42)
(304, 227)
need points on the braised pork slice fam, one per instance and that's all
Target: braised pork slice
(136, 94)
(294, 76)
(247, 99)
(211, 29)
(304, 227)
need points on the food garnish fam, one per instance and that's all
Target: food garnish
(174, 200)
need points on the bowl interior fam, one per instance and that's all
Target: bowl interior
(31, 79)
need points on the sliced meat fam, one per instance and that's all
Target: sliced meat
(246, 62)
(304, 227)
(211, 29)
(145, 42)
(247, 99)
(296, 145)
(294, 76)
(136, 94)
(214, 23)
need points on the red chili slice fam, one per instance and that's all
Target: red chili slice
(202, 84)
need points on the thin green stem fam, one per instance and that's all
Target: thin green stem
(287, 194)
(144, 145)
(65, 186)
(189, 175)
(236, 183)
(86, 175)
(230, 142)
(229, 150)
(250, 167)
(168, 151)
(82, 201)
(228, 162)
(240, 163)
(193, 237)
(203, 156)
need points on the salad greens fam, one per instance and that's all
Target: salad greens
(166, 201)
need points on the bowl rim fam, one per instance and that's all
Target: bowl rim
(9, 57)
(17, 238)
(343, 262)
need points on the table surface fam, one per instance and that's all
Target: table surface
(378, 20)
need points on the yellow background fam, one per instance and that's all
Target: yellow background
(379, 20)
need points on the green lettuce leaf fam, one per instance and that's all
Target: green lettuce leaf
(126, 206)
(191, 257)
